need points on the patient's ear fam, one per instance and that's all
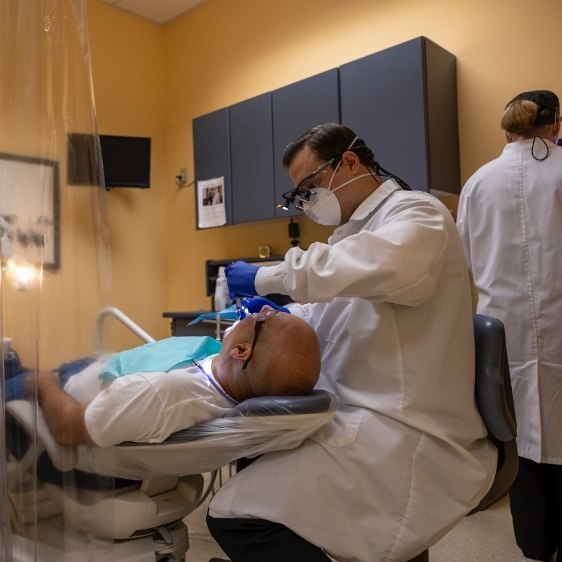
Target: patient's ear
(241, 351)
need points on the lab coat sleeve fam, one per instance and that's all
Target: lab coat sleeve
(399, 261)
(463, 223)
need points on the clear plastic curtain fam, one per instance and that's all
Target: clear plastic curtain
(54, 246)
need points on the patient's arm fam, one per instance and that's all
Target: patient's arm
(65, 416)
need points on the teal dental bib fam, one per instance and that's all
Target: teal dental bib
(163, 355)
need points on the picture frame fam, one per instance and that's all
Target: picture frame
(30, 209)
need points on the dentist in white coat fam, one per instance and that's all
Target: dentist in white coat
(510, 220)
(406, 456)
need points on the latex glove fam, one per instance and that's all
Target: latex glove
(256, 304)
(241, 277)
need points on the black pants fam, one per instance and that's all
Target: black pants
(536, 509)
(259, 540)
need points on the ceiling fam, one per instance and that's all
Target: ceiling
(158, 11)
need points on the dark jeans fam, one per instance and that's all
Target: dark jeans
(536, 509)
(15, 386)
(259, 540)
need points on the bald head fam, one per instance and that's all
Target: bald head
(284, 361)
(287, 359)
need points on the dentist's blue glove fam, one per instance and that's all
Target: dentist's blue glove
(241, 277)
(256, 304)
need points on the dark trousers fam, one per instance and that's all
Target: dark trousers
(14, 388)
(536, 509)
(258, 540)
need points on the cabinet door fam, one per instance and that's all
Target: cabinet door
(211, 153)
(251, 151)
(296, 108)
(402, 102)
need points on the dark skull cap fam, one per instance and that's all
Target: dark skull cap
(547, 101)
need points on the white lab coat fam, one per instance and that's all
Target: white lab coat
(510, 220)
(406, 456)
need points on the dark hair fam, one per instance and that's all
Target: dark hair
(330, 141)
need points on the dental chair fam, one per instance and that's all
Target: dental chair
(128, 502)
(494, 399)
(144, 491)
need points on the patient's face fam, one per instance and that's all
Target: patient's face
(240, 327)
(234, 331)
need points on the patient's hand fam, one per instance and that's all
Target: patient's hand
(64, 416)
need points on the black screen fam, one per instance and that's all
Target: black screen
(126, 161)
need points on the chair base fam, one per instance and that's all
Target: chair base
(56, 541)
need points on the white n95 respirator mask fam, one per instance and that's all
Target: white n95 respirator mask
(323, 206)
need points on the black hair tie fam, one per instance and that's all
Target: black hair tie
(533, 150)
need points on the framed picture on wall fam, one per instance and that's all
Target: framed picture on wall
(29, 209)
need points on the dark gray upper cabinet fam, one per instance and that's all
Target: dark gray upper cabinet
(211, 153)
(403, 102)
(296, 108)
(251, 154)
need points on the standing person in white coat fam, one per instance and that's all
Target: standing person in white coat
(406, 456)
(510, 220)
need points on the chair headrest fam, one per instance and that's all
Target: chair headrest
(317, 402)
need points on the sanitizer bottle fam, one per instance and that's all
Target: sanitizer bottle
(221, 291)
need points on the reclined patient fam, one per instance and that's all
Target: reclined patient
(264, 354)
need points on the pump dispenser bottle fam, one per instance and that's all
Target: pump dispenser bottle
(221, 291)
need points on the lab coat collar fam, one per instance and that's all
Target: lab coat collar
(375, 200)
(365, 210)
(526, 144)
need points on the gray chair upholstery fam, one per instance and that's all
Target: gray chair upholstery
(495, 403)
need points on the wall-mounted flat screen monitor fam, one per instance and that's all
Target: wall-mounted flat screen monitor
(126, 161)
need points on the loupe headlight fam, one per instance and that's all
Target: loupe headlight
(296, 197)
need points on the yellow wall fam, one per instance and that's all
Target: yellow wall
(129, 89)
(154, 80)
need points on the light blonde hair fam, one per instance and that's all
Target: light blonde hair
(519, 118)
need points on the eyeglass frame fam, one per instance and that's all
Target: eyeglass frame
(260, 321)
(301, 193)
